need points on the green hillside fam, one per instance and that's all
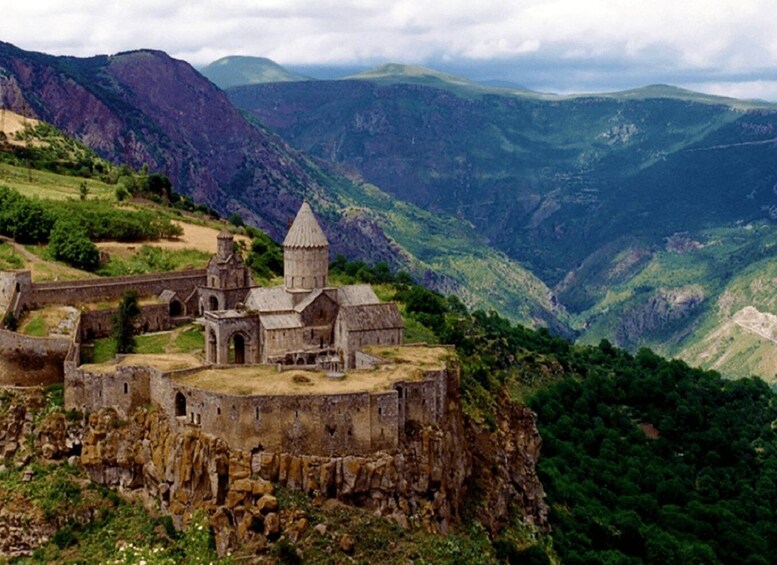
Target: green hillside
(604, 198)
(238, 70)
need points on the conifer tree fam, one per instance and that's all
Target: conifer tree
(123, 322)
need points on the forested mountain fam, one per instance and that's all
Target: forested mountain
(638, 208)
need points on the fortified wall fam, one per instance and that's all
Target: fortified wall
(94, 290)
(31, 361)
(352, 422)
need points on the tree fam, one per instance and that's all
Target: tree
(124, 322)
(83, 190)
(30, 222)
(69, 242)
(236, 220)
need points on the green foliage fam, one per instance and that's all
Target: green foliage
(266, 256)
(123, 322)
(150, 259)
(10, 322)
(70, 243)
(236, 220)
(24, 219)
(616, 494)
(48, 149)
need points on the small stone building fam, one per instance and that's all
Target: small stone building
(305, 322)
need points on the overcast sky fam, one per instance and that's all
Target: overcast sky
(716, 46)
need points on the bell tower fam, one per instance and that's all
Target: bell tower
(305, 253)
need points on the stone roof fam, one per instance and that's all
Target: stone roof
(225, 234)
(274, 299)
(366, 317)
(305, 231)
(309, 299)
(281, 321)
(167, 295)
(356, 294)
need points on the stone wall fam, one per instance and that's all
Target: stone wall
(330, 425)
(312, 424)
(93, 290)
(14, 285)
(99, 323)
(31, 361)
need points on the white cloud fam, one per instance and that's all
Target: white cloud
(660, 37)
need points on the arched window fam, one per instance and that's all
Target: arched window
(214, 303)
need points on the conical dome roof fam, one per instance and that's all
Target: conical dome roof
(305, 231)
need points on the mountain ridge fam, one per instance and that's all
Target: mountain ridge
(132, 108)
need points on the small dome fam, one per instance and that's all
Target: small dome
(305, 231)
(224, 234)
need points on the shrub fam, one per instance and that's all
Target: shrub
(10, 322)
(69, 242)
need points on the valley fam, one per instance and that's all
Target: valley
(640, 460)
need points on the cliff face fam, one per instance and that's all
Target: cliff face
(425, 483)
(144, 107)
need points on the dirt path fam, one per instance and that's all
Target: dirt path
(11, 123)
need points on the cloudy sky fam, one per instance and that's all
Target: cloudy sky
(716, 46)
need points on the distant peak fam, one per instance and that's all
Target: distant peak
(411, 72)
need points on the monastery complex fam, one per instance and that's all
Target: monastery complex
(304, 368)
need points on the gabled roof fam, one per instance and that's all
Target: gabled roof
(280, 321)
(274, 299)
(309, 299)
(167, 295)
(305, 231)
(356, 294)
(366, 317)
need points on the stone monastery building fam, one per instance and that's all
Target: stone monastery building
(303, 368)
(304, 322)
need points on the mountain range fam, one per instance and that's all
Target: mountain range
(641, 209)
(144, 108)
(637, 216)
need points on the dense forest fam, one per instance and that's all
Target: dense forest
(644, 459)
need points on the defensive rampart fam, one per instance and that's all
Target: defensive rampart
(31, 361)
(92, 290)
(360, 422)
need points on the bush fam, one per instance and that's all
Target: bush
(69, 242)
(10, 322)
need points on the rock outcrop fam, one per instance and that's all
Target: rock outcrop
(425, 483)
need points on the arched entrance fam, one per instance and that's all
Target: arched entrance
(176, 309)
(214, 303)
(180, 404)
(210, 354)
(237, 349)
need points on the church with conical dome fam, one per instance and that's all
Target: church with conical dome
(303, 323)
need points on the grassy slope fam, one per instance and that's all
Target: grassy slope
(730, 267)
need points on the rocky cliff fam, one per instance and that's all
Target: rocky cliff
(425, 484)
(146, 108)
